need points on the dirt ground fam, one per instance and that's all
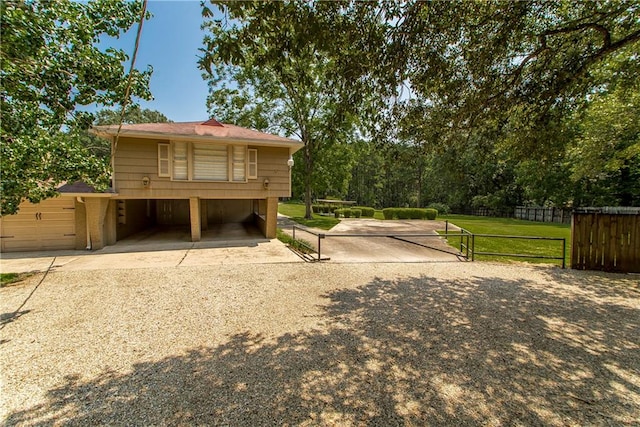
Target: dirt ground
(445, 343)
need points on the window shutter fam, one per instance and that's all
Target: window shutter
(180, 169)
(163, 161)
(239, 164)
(252, 164)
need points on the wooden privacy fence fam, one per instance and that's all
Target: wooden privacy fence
(606, 239)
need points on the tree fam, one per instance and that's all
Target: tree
(134, 114)
(50, 64)
(278, 66)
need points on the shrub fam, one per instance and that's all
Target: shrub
(431, 213)
(366, 211)
(401, 213)
(346, 213)
(409, 213)
(357, 213)
(332, 209)
(315, 208)
(337, 213)
(442, 208)
(325, 209)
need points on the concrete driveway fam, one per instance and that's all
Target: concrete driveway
(153, 252)
(378, 246)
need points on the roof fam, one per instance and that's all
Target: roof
(81, 188)
(211, 130)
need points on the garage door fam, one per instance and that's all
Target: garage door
(44, 226)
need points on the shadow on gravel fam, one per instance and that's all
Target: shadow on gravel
(419, 352)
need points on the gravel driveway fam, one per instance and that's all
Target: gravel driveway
(322, 344)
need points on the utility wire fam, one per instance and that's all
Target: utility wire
(127, 88)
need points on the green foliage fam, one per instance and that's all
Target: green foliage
(49, 65)
(296, 211)
(357, 213)
(430, 213)
(440, 208)
(409, 213)
(7, 279)
(100, 147)
(366, 211)
(300, 245)
(277, 66)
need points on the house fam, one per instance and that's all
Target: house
(193, 175)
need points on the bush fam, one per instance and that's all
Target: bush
(346, 213)
(409, 213)
(431, 213)
(337, 213)
(315, 209)
(366, 211)
(326, 209)
(442, 208)
(357, 213)
(388, 213)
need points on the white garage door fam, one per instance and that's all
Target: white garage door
(44, 226)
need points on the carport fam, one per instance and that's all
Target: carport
(173, 219)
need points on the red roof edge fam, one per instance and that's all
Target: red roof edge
(212, 122)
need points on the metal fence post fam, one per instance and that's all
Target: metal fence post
(294, 233)
(446, 227)
(564, 252)
(473, 247)
(320, 236)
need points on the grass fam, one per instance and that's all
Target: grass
(513, 227)
(7, 279)
(296, 211)
(299, 244)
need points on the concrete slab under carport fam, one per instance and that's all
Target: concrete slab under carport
(169, 247)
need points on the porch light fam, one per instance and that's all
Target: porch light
(145, 181)
(265, 183)
(290, 162)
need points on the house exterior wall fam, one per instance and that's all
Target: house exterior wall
(137, 158)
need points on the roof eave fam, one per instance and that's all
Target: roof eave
(291, 144)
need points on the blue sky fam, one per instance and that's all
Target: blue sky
(169, 43)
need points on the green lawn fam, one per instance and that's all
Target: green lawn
(7, 279)
(476, 225)
(514, 227)
(296, 210)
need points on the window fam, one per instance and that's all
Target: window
(252, 163)
(180, 166)
(164, 170)
(210, 162)
(186, 161)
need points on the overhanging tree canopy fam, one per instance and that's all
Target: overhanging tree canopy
(50, 64)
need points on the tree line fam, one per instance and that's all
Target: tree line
(397, 103)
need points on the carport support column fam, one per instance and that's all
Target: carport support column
(271, 215)
(194, 214)
(96, 208)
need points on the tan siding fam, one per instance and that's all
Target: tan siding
(42, 226)
(137, 158)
